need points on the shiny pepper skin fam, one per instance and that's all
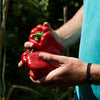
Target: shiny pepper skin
(47, 42)
(24, 57)
(44, 41)
(38, 67)
(37, 75)
(36, 63)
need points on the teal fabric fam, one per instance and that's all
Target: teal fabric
(90, 46)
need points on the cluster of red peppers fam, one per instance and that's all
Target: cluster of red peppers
(44, 41)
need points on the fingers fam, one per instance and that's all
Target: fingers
(28, 45)
(51, 79)
(52, 58)
(43, 81)
(47, 24)
(35, 81)
(20, 64)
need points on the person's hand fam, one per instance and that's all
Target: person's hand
(71, 72)
(29, 45)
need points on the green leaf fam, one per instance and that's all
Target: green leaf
(41, 4)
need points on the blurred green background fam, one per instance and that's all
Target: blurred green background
(22, 16)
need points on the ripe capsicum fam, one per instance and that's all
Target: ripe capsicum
(38, 67)
(38, 75)
(44, 40)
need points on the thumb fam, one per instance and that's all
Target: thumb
(51, 58)
(47, 24)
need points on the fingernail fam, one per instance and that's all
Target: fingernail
(19, 65)
(30, 77)
(31, 44)
(41, 54)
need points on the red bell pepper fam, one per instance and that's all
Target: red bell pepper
(38, 67)
(36, 63)
(38, 75)
(24, 56)
(44, 40)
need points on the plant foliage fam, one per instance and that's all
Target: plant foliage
(23, 15)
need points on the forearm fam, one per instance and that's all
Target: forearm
(70, 32)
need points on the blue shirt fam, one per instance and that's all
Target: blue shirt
(90, 46)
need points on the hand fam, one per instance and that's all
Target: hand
(30, 45)
(71, 72)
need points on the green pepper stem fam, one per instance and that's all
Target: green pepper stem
(37, 36)
(31, 51)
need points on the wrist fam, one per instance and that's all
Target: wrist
(58, 37)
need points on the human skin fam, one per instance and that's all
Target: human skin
(72, 71)
(67, 34)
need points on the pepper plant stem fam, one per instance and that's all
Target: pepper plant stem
(3, 15)
(0, 49)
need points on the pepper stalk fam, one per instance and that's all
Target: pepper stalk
(37, 36)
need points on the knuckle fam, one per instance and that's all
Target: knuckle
(25, 44)
(50, 58)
